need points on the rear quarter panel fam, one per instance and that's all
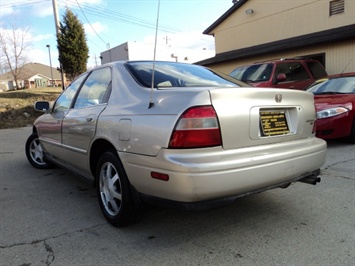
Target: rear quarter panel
(132, 127)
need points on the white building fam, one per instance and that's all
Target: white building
(143, 51)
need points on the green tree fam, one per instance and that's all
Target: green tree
(72, 46)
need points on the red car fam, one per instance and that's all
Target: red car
(289, 73)
(334, 98)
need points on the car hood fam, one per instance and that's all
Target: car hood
(323, 102)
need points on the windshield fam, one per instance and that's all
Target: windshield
(253, 73)
(333, 86)
(171, 74)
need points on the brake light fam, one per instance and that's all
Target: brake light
(196, 128)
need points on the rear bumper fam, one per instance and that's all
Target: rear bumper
(214, 203)
(198, 175)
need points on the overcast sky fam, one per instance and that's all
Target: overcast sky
(112, 22)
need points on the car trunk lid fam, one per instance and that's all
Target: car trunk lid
(250, 117)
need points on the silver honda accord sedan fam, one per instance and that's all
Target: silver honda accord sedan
(175, 134)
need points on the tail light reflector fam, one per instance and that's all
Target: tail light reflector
(196, 128)
(160, 176)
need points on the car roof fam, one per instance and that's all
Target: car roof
(349, 74)
(286, 60)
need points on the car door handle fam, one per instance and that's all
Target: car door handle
(90, 118)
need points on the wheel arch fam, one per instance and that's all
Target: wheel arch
(34, 130)
(99, 147)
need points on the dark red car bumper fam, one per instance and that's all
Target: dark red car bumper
(334, 127)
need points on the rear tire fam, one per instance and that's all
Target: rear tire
(35, 154)
(114, 191)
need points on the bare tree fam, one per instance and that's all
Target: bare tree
(14, 42)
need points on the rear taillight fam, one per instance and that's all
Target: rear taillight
(196, 128)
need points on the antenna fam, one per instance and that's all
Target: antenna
(151, 103)
(346, 66)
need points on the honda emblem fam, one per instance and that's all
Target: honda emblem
(278, 98)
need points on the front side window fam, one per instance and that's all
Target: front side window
(65, 100)
(96, 89)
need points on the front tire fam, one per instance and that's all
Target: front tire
(114, 191)
(35, 154)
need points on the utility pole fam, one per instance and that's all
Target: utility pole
(50, 62)
(56, 21)
(167, 39)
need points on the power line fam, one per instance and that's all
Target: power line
(103, 13)
(116, 16)
(21, 3)
(90, 23)
(111, 15)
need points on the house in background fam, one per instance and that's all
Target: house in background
(260, 30)
(143, 51)
(32, 75)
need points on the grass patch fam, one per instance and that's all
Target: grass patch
(16, 107)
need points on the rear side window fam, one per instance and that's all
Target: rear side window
(294, 71)
(96, 89)
(316, 69)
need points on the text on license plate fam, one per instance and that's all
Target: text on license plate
(273, 122)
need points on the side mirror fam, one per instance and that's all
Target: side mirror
(42, 106)
(280, 77)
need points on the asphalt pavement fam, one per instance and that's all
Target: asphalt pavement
(51, 217)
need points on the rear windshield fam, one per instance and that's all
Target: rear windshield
(253, 73)
(170, 74)
(316, 69)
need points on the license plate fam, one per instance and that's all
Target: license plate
(273, 123)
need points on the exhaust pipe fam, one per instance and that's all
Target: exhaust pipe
(312, 179)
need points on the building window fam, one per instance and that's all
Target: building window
(336, 7)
